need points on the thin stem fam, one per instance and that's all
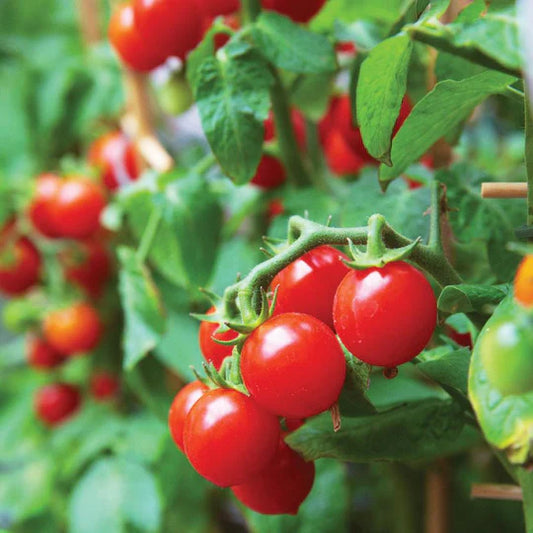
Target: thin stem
(204, 164)
(526, 482)
(435, 237)
(149, 234)
(289, 150)
(529, 160)
(250, 10)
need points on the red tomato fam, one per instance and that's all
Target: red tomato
(104, 386)
(88, 265)
(340, 157)
(214, 8)
(180, 408)
(229, 438)
(270, 173)
(114, 155)
(131, 46)
(385, 316)
(41, 355)
(523, 282)
(171, 26)
(308, 285)
(213, 351)
(281, 487)
(293, 365)
(346, 47)
(73, 329)
(298, 125)
(56, 403)
(297, 10)
(46, 188)
(20, 262)
(221, 39)
(275, 208)
(77, 207)
(462, 339)
(293, 424)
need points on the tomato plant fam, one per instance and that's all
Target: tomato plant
(56, 403)
(208, 336)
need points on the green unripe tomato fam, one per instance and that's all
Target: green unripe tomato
(506, 350)
(175, 96)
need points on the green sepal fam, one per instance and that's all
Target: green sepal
(363, 260)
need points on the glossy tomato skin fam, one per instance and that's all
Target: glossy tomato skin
(180, 408)
(114, 155)
(40, 208)
(104, 386)
(77, 207)
(523, 282)
(215, 8)
(73, 329)
(171, 26)
(385, 316)
(293, 365)
(281, 487)
(42, 356)
(130, 44)
(88, 265)
(56, 403)
(212, 351)
(229, 438)
(20, 262)
(297, 10)
(308, 285)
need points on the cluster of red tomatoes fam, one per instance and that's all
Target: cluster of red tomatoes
(293, 367)
(146, 32)
(63, 215)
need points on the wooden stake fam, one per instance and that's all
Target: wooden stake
(496, 491)
(89, 19)
(504, 190)
(437, 498)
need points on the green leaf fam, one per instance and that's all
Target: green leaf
(380, 90)
(413, 432)
(291, 47)
(232, 92)
(142, 308)
(312, 94)
(324, 510)
(490, 40)
(115, 495)
(468, 298)
(448, 104)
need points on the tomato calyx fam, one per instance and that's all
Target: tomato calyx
(377, 254)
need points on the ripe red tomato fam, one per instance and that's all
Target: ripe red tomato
(214, 8)
(297, 10)
(340, 156)
(41, 355)
(56, 403)
(130, 44)
(523, 282)
(298, 125)
(170, 26)
(281, 487)
(212, 351)
(293, 365)
(39, 211)
(88, 265)
(221, 39)
(20, 262)
(104, 386)
(77, 207)
(462, 339)
(180, 408)
(114, 155)
(308, 285)
(385, 316)
(73, 329)
(275, 208)
(229, 438)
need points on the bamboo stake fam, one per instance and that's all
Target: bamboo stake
(496, 491)
(437, 498)
(89, 19)
(504, 190)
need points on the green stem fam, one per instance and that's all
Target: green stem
(149, 234)
(304, 235)
(289, 150)
(526, 482)
(250, 10)
(435, 236)
(204, 164)
(529, 160)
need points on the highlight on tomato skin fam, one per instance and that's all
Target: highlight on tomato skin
(180, 408)
(56, 403)
(281, 487)
(40, 208)
(523, 282)
(229, 438)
